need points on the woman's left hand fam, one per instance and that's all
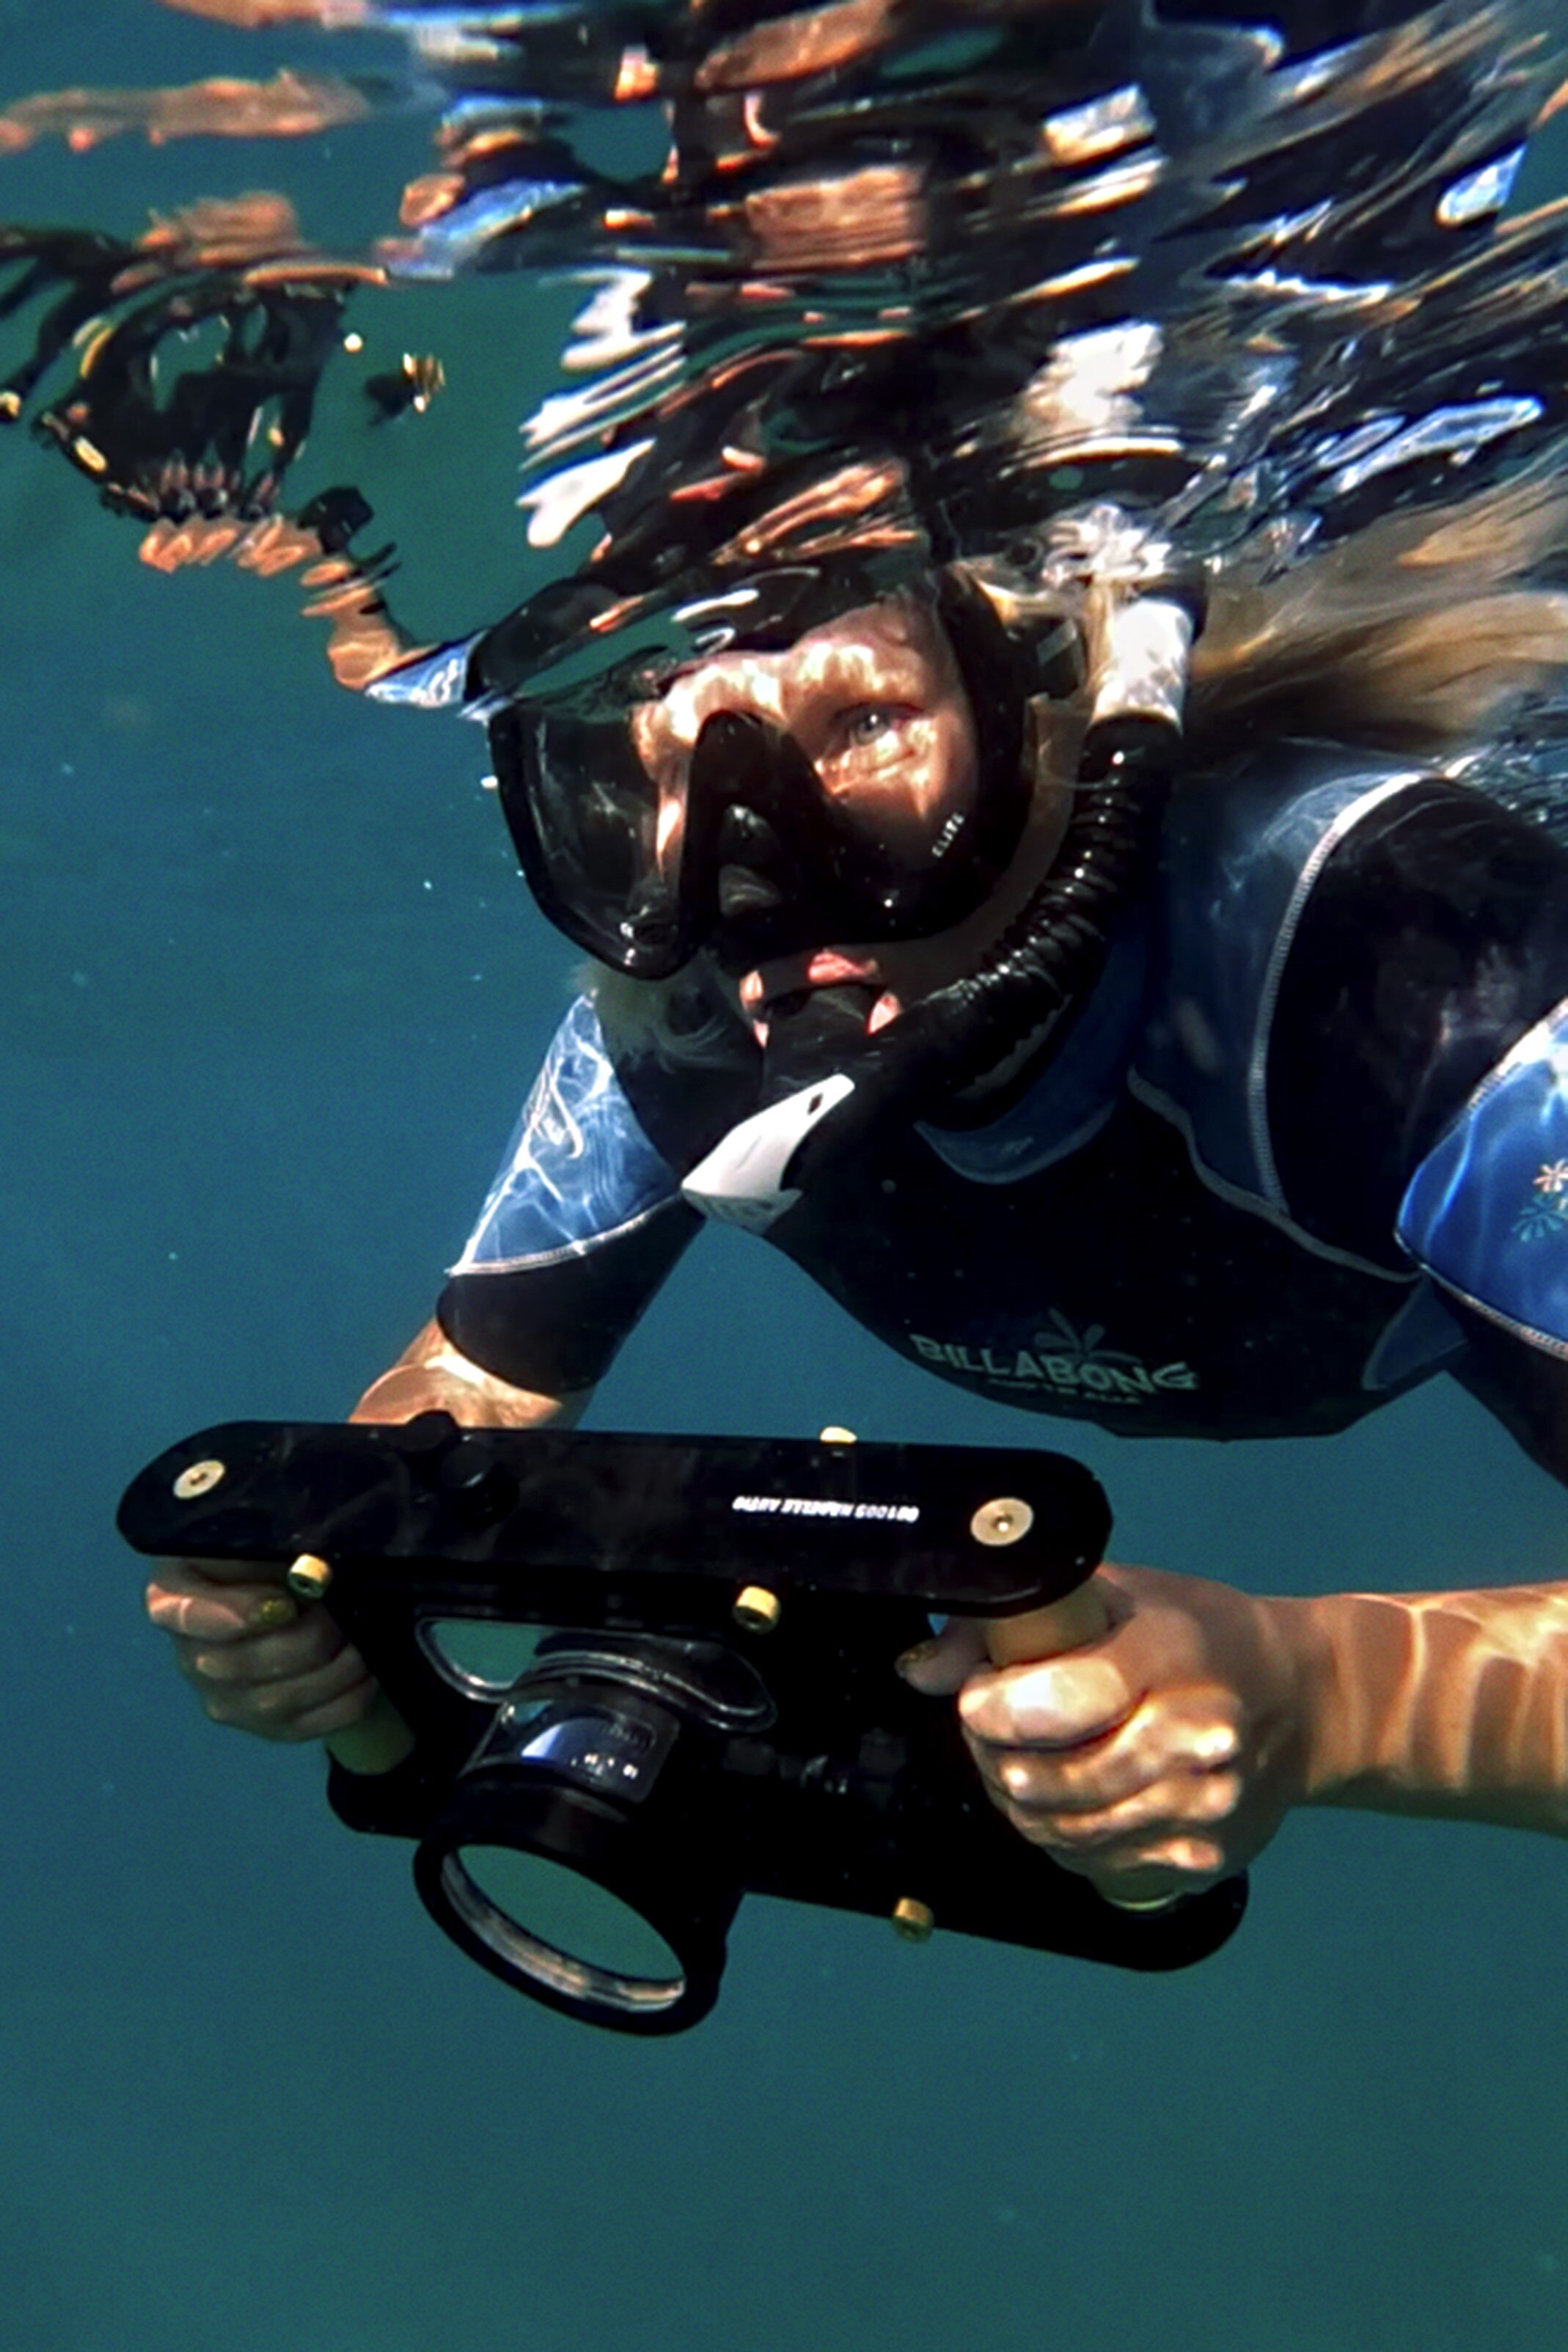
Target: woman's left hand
(1157, 1758)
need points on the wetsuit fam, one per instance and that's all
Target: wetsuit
(1319, 1094)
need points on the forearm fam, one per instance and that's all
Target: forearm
(1452, 1704)
(432, 1376)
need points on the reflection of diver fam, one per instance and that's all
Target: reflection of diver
(1299, 1140)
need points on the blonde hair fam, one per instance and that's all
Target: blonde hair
(1418, 635)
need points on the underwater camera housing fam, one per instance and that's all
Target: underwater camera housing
(646, 1676)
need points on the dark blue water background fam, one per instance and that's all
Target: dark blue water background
(271, 992)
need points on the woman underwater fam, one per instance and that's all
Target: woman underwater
(1285, 1137)
(1034, 871)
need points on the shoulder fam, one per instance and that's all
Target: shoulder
(1350, 944)
(581, 1223)
(579, 1167)
(1246, 856)
(1434, 940)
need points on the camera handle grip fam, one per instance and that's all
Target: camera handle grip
(379, 1742)
(1075, 1620)
(381, 1739)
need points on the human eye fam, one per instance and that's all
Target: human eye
(864, 725)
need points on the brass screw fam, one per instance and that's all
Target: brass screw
(310, 1577)
(757, 1610)
(1003, 1520)
(199, 1479)
(913, 1920)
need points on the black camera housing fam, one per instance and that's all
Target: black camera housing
(726, 1615)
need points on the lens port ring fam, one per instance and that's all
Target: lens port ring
(570, 1828)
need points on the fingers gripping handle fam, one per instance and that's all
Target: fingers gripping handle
(1073, 1622)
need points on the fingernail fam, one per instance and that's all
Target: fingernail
(276, 1609)
(914, 1660)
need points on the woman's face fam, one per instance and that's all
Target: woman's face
(876, 702)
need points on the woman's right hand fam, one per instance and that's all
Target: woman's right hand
(263, 1661)
(256, 1658)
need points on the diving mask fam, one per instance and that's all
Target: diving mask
(864, 781)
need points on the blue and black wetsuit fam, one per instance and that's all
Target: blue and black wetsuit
(1307, 1139)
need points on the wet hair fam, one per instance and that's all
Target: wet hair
(1421, 635)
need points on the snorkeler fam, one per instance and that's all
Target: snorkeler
(1231, 1108)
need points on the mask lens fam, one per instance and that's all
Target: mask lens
(584, 816)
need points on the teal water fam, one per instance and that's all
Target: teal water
(271, 994)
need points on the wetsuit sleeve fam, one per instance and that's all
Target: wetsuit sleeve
(581, 1226)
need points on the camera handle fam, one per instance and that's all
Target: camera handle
(1075, 1620)
(379, 1742)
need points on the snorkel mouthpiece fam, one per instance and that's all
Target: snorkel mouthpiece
(1020, 1001)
